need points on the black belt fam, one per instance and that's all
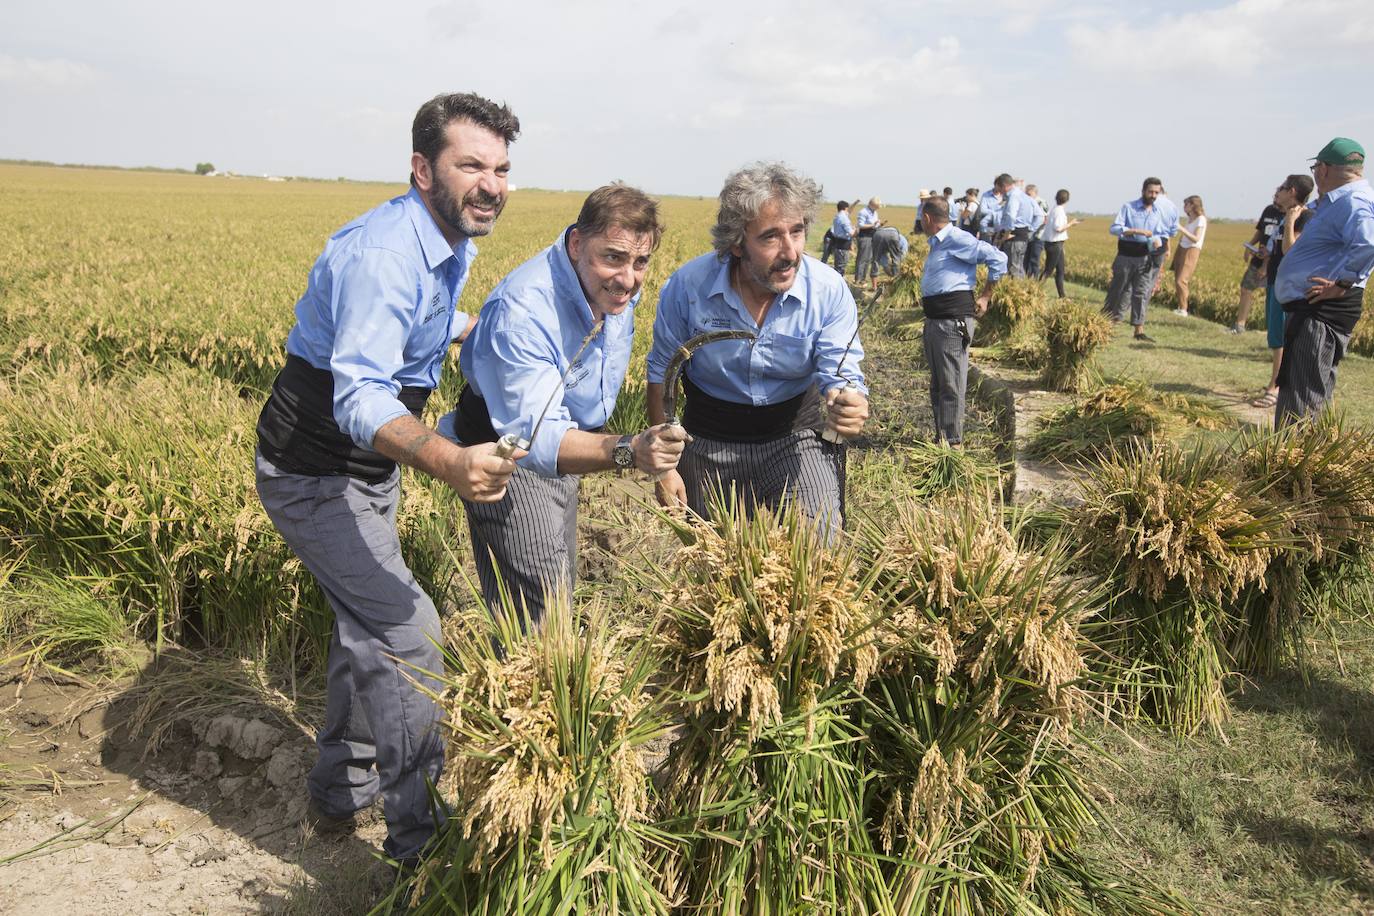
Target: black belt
(1341, 315)
(297, 431)
(957, 304)
(728, 421)
(1132, 249)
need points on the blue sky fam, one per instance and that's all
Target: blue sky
(1220, 99)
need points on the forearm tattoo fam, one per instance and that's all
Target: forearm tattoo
(412, 447)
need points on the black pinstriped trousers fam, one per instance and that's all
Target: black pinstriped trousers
(801, 466)
(1309, 370)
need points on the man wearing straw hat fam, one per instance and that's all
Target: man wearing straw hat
(372, 330)
(1321, 281)
(545, 364)
(754, 410)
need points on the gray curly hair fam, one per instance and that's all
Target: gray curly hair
(747, 190)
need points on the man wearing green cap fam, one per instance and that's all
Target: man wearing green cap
(1322, 278)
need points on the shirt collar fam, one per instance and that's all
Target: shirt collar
(436, 248)
(943, 234)
(1348, 189)
(567, 286)
(721, 287)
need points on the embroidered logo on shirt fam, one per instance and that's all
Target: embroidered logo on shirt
(435, 309)
(576, 374)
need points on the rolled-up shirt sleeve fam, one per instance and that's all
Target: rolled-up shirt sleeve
(1358, 258)
(374, 300)
(840, 320)
(670, 328)
(994, 259)
(1118, 227)
(516, 375)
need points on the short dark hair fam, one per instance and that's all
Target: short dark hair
(1149, 181)
(1301, 185)
(1061, 196)
(842, 205)
(1003, 179)
(948, 191)
(427, 131)
(619, 205)
(937, 208)
(973, 191)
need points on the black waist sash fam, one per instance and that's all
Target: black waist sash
(472, 419)
(1132, 249)
(867, 231)
(728, 421)
(1341, 315)
(958, 304)
(1021, 235)
(841, 244)
(297, 431)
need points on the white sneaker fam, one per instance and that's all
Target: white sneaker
(1181, 312)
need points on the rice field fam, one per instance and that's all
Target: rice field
(741, 721)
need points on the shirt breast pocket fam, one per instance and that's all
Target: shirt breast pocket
(793, 357)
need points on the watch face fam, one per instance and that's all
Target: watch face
(623, 455)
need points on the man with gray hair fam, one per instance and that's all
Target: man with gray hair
(1321, 281)
(754, 408)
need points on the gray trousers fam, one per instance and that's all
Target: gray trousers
(1133, 278)
(380, 732)
(865, 268)
(1016, 256)
(946, 342)
(1309, 371)
(526, 544)
(841, 259)
(801, 467)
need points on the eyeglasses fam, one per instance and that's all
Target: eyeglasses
(1313, 166)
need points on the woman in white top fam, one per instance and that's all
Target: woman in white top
(1189, 250)
(1055, 234)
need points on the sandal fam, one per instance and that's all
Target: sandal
(1268, 399)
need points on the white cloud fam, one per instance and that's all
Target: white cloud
(44, 73)
(1237, 39)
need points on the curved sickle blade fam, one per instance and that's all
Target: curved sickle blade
(683, 354)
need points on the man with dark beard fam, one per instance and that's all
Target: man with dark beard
(372, 329)
(753, 409)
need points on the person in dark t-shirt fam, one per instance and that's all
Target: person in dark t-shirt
(1281, 232)
(1255, 269)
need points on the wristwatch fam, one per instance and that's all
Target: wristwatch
(1345, 284)
(624, 454)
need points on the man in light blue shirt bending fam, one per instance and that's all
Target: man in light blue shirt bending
(947, 297)
(754, 410)
(524, 354)
(1321, 281)
(372, 329)
(1141, 226)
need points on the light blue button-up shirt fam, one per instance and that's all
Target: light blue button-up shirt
(525, 337)
(1337, 243)
(952, 264)
(990, 211)
(868, 218)
(1020, 212)
(379, 311)
(841, 227)
(1161, 220)
(801, 342)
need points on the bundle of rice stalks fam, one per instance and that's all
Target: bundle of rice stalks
(546, 773)
(1015, 301)
(1180, 536)
(970, 718)
(1072, 333)
(1323, 469)
(904, 291)
(1120, 415)
(764, 633)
